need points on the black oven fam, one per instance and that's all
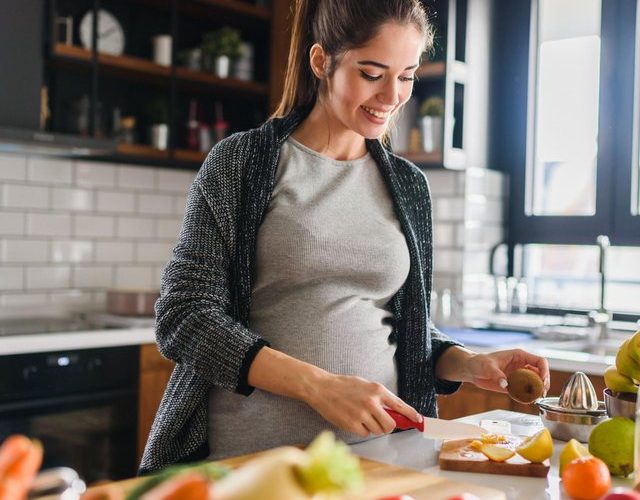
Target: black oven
(82, 405)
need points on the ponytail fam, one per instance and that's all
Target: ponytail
(300, 84)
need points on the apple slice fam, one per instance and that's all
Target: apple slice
(496, 453)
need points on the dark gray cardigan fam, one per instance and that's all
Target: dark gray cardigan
(202, 314)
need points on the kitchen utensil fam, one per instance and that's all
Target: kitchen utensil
(458, 456)
(131, 302)
(575, 412)
(436, 428)
(621, 404)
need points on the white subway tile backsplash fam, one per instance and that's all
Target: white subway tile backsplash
(48, 277)
(19, 250)
(11, 278)
(72, 199)
(175, 181)
(449, 209)
(448, 261)
(48, 224)
(97, 226)
(13, 167)
(11, 224)
(24, 300)
(71, 251)
(153, 252)
(160, 204)
(442, 182)
(168, 228)
(476, 262)
(22, 196)
(137, 178)
(95, 174)
(114, 251)
(134, 227)
(49, 170)
(72, 300)
(135, 277)
(114, 201)
(92, 276)
(179, 205)
(444, 235)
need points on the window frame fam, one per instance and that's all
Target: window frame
(617, 141)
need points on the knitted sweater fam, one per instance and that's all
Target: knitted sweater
(203, 311)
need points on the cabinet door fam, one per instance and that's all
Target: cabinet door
(154, 375)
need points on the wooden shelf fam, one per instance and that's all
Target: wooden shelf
(142, 150)
(431, 70)
(188, 77)
(189, 155)
(238, 7)
(131, 67)
(421, 158)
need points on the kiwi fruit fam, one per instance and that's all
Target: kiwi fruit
(525, 386)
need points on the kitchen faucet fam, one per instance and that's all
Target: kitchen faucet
(600, 318)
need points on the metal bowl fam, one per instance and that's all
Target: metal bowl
(565, 424)
(623, 404)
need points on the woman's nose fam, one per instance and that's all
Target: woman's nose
(389, 94)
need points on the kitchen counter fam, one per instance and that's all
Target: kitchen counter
(410, 449)
(89, 339)
(565, 361)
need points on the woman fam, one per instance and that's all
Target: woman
(297, 296)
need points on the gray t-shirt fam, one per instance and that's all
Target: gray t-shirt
(330, 255)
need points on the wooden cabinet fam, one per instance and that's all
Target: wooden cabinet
(470, 399)
(154, 375)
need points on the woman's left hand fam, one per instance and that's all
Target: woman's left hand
(490, 370)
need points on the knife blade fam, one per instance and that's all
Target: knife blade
(436, 428)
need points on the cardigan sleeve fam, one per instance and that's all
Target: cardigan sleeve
(440, 343)
(194, 325)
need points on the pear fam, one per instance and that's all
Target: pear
(617, 382)
(612, 442)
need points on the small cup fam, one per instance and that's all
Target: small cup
(162, 50)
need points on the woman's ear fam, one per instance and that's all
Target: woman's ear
(318, 61)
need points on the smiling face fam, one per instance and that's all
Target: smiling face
(370, 83)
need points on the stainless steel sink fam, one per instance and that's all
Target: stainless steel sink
(605, 347)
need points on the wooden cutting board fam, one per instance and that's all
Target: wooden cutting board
(458, 456)
(386, 480)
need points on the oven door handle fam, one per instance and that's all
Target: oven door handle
(66, 400)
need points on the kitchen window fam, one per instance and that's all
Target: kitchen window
(575, 165)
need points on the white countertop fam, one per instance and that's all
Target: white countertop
(566, 361)
(50, 342)
(410, 449)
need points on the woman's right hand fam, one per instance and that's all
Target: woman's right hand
(357, 405)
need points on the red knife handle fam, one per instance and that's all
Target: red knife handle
(403, 422)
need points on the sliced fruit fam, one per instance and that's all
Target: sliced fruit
(496, 453)
(572, 450)
(476, 444)
(537, 448)
(493, 438)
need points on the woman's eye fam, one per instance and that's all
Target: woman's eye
(408, 78)
(371, 78)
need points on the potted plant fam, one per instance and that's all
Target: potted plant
(159, 118)
(221, 47)
(431, 123)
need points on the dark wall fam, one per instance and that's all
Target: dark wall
(21, 58)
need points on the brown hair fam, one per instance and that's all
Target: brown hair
(338, 26)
